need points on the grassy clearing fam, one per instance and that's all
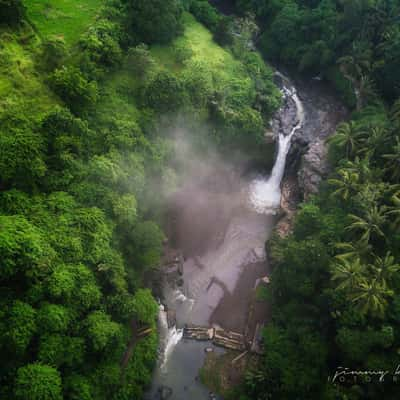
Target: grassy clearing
(21, 86)
(65, 19)
(118, 95)
(203, 49)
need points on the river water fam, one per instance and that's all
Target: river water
(219, 279)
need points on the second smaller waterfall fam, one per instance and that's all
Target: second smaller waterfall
(169, 337)
(265, 193)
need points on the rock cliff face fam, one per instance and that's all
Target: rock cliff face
(323, 112)
(314, 167)
(307, 163)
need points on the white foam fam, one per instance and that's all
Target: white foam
(169, 337)
(265, 193)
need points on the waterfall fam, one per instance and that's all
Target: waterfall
(265, 194)
(169, 337)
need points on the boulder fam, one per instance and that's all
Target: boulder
(165, 392)
(171, 318)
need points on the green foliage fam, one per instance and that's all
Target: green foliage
(144, 306)
(197, 82)
(54, 53)
(77, 388)
(205, 13)
(146, 244)
(79, 222)
(74, 285)
(21, 154)
(11, 11)
(156, 21)
(60, 350)
(223, 33)
(336, 275)
(53, 318)
(125, 209)
(74, 88)
(139, 60)
(55, 18)
(353, 44)
(23, 249)
(165, 93)
(101, 42)
(102, 332)
(38, 382)
(21, 326)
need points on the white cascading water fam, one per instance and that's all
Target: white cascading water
(265, 194)
(169, 337)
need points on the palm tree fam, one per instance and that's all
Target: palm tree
(371, 298)
(369, 195)
(355, 68)
(371, 224)
(377, 136)
(348, 137)
(367, 90)
(395, 210)
(396, 112)
(360, 167)
(385, 268)
(349, 274)
(394, 161)
(346, 184)
(360, 249)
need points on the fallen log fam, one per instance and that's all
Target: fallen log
(143, 332)
(239, 357)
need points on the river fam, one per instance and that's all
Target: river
(221, 230)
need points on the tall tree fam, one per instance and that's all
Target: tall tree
(349, 274)
(156, 21)
(371, 297)
(370, 224)
(38, 382)
(348, 137)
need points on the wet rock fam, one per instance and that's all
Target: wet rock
(165, 392)
(269, 136)
(212, 396)
(171, 269)
(179, 282)
(314, 168)
(208, 350)
(171, 318)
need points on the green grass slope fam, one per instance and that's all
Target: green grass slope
(21, 86)
(65, 19)
(197, 45)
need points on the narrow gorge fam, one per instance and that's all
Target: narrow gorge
(221, 224)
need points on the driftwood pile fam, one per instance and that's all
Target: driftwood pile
(229, 340)
(220, 337)
(198, 333)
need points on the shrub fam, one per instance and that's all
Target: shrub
(11, 11)
(70, 84)
(205, 13)
(164, 93)
(156, 21)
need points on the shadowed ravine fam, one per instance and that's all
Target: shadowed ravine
(221, 231)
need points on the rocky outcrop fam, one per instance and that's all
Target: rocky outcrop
(308, 156)
(307, 161)
(290, 198)
(314, 167)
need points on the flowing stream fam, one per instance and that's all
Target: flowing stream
(218, 283)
